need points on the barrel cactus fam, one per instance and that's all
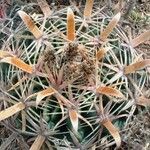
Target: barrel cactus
(70, 79)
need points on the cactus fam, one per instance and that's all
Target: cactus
(70, 79)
